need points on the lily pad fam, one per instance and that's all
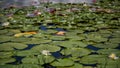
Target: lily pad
(29, 60)
(45, 59)
(93, 59)
(70, 44)
(62, 62)
(57, 38)
(115, 40)
(76, 52)
(6, 54)
(27, 53)
(21, 39)
(8, 66)
(7, 60)
(3, 32)
(109, 51)
(96, 38)
(110, 64)
(51, 48)
(11, 46)
(106, 45)
(4, 38)
(37, 41)
(40, 59)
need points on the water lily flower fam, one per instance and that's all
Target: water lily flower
(60, 33)
(46, 52)
(113, 56)
(25, 33)
(5, 24)
(37, 12)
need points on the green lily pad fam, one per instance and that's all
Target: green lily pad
(76, 65)
(115, 40)
(27, 53)
(45, 59)
(93, 59)
(29, 60)
(4, 38)
(51, 48)
(6, 54)
(110, 64)
(109, 51)
(8, 66)
(76, 52)
(96, 38)
(29, 66)
(37, 41)
(106, 45)
(21, 66)
(70, 44)
(3, 32)
(63, 62)
(75, 37)
(57, 38)
(7, 60)
(20, 39)
(40, 59)
(11, 46)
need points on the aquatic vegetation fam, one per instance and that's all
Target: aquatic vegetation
(60, 35)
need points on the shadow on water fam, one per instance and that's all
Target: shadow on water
(29, 46)
(18, 60)
(118, 47)
(92, 47)
(57, 54)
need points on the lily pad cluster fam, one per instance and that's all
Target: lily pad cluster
(59, 35)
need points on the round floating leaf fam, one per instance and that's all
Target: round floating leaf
(51, 48)
(106, 45)
(76, 65)
(20, 39)
(8, 66)
(75, 37)
(37, 41)
(70, 44)
(27, 53)
(29, 60)
(29, 66)
(7, 60)
(63, 62)
(3, 31)
(6, 54)
(109, 51)
(115, 40)
(45, 59)
(76, 52)
(93, 59)
(57, 38)
(11, 46)
(96, 38)
(110, 64)
(4, 38)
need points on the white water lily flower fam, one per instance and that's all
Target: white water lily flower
(113, 56)
(46, 52)
(5, 24)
